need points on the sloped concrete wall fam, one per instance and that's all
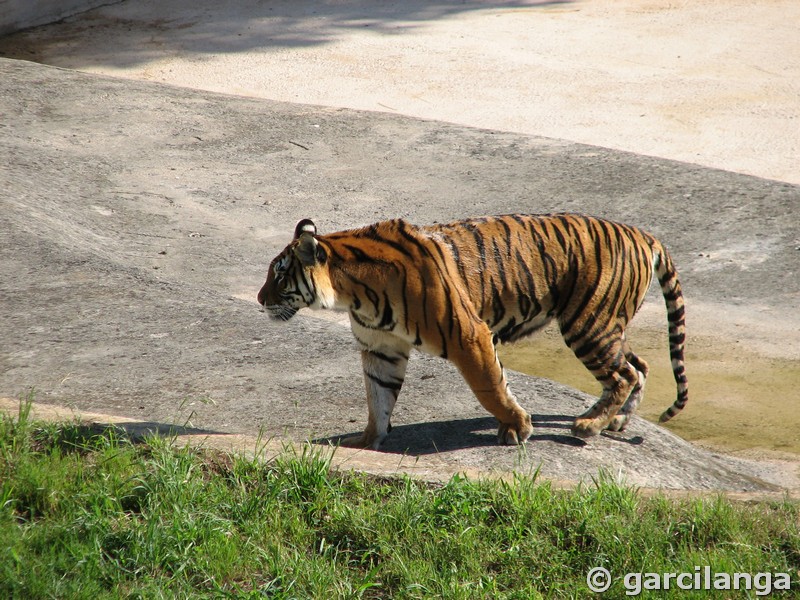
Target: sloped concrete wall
(20, 14)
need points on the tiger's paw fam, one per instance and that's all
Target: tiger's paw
(619, 422)
(586, 428)
(509, 434)
(363, 441)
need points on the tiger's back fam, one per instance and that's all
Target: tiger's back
(521, 271)
(457, 289)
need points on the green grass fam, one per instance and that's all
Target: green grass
(85, 513)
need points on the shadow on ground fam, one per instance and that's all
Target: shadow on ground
(187, 27)
(420, 439)
(81, 436)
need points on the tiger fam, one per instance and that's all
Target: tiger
(457, 290)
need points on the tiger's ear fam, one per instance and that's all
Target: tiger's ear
(309, 251)
(305, 226)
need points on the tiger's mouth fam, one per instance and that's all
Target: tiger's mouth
(280, 312)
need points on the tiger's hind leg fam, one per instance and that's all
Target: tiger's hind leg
(618, 378)
(623, 417)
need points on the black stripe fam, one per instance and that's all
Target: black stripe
(597, 344)
(445, 278)
(444, 341)
(358, 320)
(671, 295)
(332, 251)
(587, 348)
(677, 355)
(385, 357)
(402, 229)
(358, 253)
(457, 258)
(448, 299)
(641, 274)
(527, 224)
(508, 236)
(498, 309)
(677, 315)
(562, 241)
(470, 227)
(373, 297)
(522, 266)
(388, 315)
(524, 303)
(440, 252)
(507, 333)
(424, 301)
(397, 246)
(479, 242)
(550, 274)
(404, 287)
(389, 385)
(500, 261)
(677, 338)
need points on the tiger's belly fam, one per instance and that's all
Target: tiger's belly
(514, 328)
(516, 316)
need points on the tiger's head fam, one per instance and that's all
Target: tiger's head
(298, 276)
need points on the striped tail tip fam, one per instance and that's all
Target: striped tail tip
(670, 412)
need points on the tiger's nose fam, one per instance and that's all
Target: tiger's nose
(261, 297)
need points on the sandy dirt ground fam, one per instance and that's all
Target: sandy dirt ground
(713, 84)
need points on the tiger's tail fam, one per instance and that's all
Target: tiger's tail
(673, 296)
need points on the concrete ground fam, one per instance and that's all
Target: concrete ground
(138, 218)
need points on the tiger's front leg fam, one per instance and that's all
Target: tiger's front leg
(482, 370)
(384, 372)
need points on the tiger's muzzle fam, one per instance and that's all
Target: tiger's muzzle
(280, 312)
